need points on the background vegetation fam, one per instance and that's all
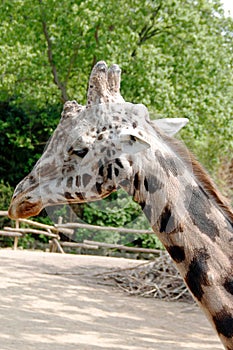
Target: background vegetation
(176, 57)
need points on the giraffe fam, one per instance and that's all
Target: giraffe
(110, 144)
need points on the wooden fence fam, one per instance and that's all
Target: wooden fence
(68, 229)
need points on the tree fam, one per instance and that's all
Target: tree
(176, 58)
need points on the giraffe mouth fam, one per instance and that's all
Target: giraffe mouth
(22, 209)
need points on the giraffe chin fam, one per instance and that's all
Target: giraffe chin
(24, 210)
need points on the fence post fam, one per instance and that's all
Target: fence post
(16, 238)
(60, 219)
(55, 244)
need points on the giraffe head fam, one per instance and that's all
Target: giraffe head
(93, 148)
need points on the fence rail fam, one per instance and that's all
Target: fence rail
(54, 231)
(102, 228)
(3, 213)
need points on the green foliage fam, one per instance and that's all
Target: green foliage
(147, 241)
(6, 192)
(176, 58)
(117, 210)
(5, 196)
(27, 241)
(24, 133)
(33, 241)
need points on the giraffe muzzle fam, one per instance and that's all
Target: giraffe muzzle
(23, 208)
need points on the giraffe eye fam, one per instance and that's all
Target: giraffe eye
(78, 152)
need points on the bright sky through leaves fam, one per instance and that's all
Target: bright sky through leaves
(228, 6)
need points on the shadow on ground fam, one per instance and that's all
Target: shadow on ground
(55, 302)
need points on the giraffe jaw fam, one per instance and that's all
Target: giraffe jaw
(21, 208)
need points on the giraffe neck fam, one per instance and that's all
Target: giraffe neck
(197, 233)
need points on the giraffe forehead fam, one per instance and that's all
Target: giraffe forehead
(97, 124)
(100, 131)
(107, 114)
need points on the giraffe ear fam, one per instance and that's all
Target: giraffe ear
(131, 142)
(170, 126)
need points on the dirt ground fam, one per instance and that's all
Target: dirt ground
(56, 302)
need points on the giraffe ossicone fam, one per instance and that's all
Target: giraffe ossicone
(110, 143)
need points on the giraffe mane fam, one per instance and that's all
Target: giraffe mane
(200, 174)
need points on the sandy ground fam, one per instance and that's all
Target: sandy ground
(56, 302)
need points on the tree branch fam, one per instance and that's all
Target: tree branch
(96, 36)
(147, 31)
(71, 64)
(60, 85)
